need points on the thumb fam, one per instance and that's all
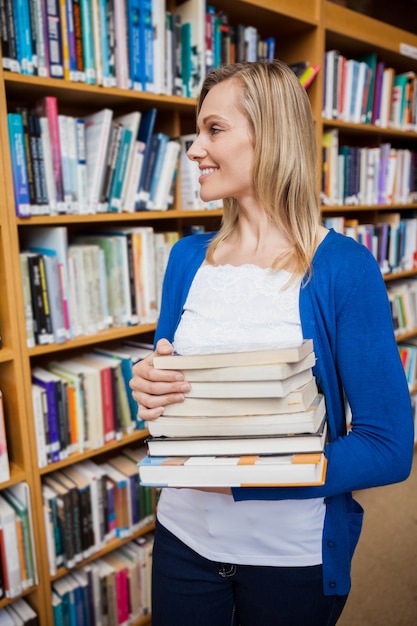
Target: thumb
(164, 347)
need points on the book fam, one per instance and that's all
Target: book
(192, 14)
(4, 456)
(40, 415)
(288, 443)
(297, 400)
(261, 372)
(145, 133)
(234, 471)
(306, 421)
(290, 354)
(50, 382)
(249, 388)
(18, 496)
(54, 293)
(9, 550)
(19, 165)
(97, 137)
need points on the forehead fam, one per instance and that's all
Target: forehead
(223, 100)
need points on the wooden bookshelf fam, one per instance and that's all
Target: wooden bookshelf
(303, 30)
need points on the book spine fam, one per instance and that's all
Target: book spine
(78, 35)
(53, 428)
(19, 164)
(121, 52)
(88, 42)
(120, 170)
(133, 17)
(146, 40)
(54, 38)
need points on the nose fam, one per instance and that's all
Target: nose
(196, 150)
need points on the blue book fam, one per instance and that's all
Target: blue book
(48, 381)
(161, 141)
(135, 51)
(19, 164)
(146, 42)
(23, 36)
(88, 42)
(145, 133)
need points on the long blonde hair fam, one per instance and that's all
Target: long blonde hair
(285, 155)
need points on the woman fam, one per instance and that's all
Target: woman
(270, 277)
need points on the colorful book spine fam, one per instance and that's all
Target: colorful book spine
(54, 38)
(133, 21)
(88, 42)
(19, 165)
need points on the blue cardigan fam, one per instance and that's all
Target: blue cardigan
(344, 308)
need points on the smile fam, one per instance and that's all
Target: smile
(208, 170)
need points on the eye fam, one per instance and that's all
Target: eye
(214, 130)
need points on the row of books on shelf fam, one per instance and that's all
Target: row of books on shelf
(366, 90)
(251, 418)
(18, 613)
(18, 568)
(84, 402)
(114, 589)
(130, 44)
(89, 504)
(98, 163)
(403, 301)
(353, 175)
(408, 354)
(391, 238)
(81, 285)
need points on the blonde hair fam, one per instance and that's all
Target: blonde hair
(285, 156)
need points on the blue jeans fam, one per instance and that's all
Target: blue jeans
(189, 590)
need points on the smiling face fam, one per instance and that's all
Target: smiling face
(223, 148)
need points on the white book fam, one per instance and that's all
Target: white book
(49, 171)
(307, 421)
(121, 53)
(295, 401)
(159, 46)
(269, 371)
(162, 198)
(97, 134)
(145, 275)
(82, 178)
(386, 96)
(249, 388)
(133, 176)
(40, 413)
(234, 471)
(10, 549)
(193, 12)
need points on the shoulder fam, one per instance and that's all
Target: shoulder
(193, 244)
(339, 254)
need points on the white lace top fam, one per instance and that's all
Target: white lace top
(231, 308)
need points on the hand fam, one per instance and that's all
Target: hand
(153, 388)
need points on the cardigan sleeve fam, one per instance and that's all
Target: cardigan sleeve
(349, 317)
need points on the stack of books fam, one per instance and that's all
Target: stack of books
(251, 418)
